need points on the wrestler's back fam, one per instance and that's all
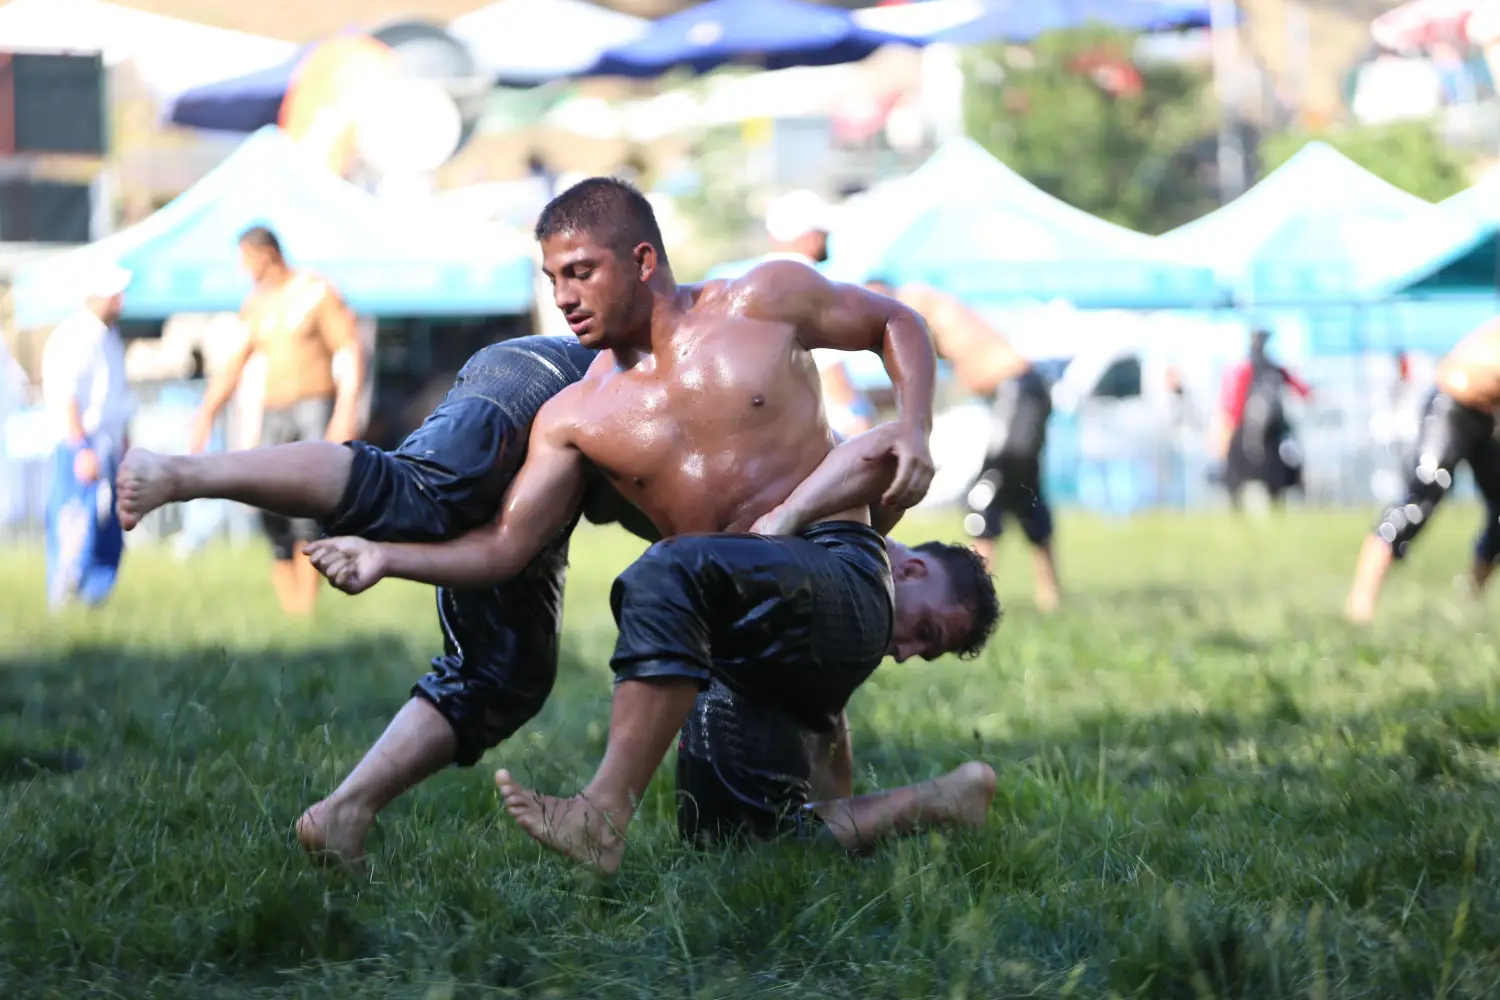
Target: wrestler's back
(717, 431)
(1470, 373)
(283, 324)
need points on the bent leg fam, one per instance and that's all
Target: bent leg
(417, 744)
(800, 623)
(498, 666)
(959, 798)
(1450, 434)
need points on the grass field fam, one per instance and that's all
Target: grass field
(1209, 786)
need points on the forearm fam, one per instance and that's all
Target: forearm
(73, 423)
(854, 474)
(833, 764)
(346, 397)
(482, 558)
(911, 363)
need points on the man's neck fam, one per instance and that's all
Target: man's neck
(275, 277)
(669, 301)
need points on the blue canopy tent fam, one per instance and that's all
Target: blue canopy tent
(969, 225)
(1309, 232)
(239, 104)
(385, 262)
(1024, 20)
(771, 34)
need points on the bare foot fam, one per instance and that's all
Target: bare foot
(1359, 612)
(963, 795)
(334, 833)
(574, 828)
(1047, 601)
(144, 483)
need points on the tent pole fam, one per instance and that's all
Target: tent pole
(1231, 156)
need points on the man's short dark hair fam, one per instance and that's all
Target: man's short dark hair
(608, 209)
(261, 238)
(974, 588)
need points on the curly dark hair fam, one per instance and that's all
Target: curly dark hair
(974, 588)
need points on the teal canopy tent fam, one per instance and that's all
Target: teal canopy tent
(385, 261)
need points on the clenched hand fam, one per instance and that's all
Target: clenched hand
(352, 565)
(913, 467)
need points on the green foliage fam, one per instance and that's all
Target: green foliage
(719, 209)
(1121, 158)
(1408, 154)
(1208, 786)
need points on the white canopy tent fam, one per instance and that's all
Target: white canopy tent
(532, 41)
(168, 54)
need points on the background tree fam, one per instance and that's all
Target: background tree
(1074, 114)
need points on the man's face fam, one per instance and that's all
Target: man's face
(814, 244)
(256, 260)
(599, 292)
(929, 622)
(108, 308)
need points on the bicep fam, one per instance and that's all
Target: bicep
(336, 323)
(550, 485)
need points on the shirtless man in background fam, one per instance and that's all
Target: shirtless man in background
(704, 410)
(1458, 425)
(298, 323)
(1010, 480)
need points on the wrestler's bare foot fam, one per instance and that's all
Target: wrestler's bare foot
(145, 482)
(575, 828)
(334, 832)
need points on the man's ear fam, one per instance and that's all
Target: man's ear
(645, 261)
(911, 567)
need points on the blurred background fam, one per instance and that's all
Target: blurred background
(1124, 188)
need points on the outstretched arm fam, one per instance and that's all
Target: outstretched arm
(540, 503)
(857, 472)
(851, 318)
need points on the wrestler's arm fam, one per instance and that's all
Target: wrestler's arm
(220, 389)
(832, 774)
(540, 503)
(857, 472)
(336, 324)
(847, 317)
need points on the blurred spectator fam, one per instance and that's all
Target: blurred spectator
(89, 405)
(304, 335)
(1258, 445)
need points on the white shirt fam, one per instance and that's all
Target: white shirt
(84, 361)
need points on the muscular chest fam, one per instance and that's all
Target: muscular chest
(285, 322)
(699, 420)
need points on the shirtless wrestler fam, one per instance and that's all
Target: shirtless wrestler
(705, 412)
(500, 643)
(1010, 481)
(1458, 425)
(298, 323)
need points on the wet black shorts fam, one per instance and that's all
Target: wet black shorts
(795, 622)
(1451, 433)
(1011, 478)
(742, 772)
(448, 477)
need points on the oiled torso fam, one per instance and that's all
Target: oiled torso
(283, 326)
(711, 431)
(1470, 373)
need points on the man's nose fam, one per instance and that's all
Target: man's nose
(903, 651)
(564, 297)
